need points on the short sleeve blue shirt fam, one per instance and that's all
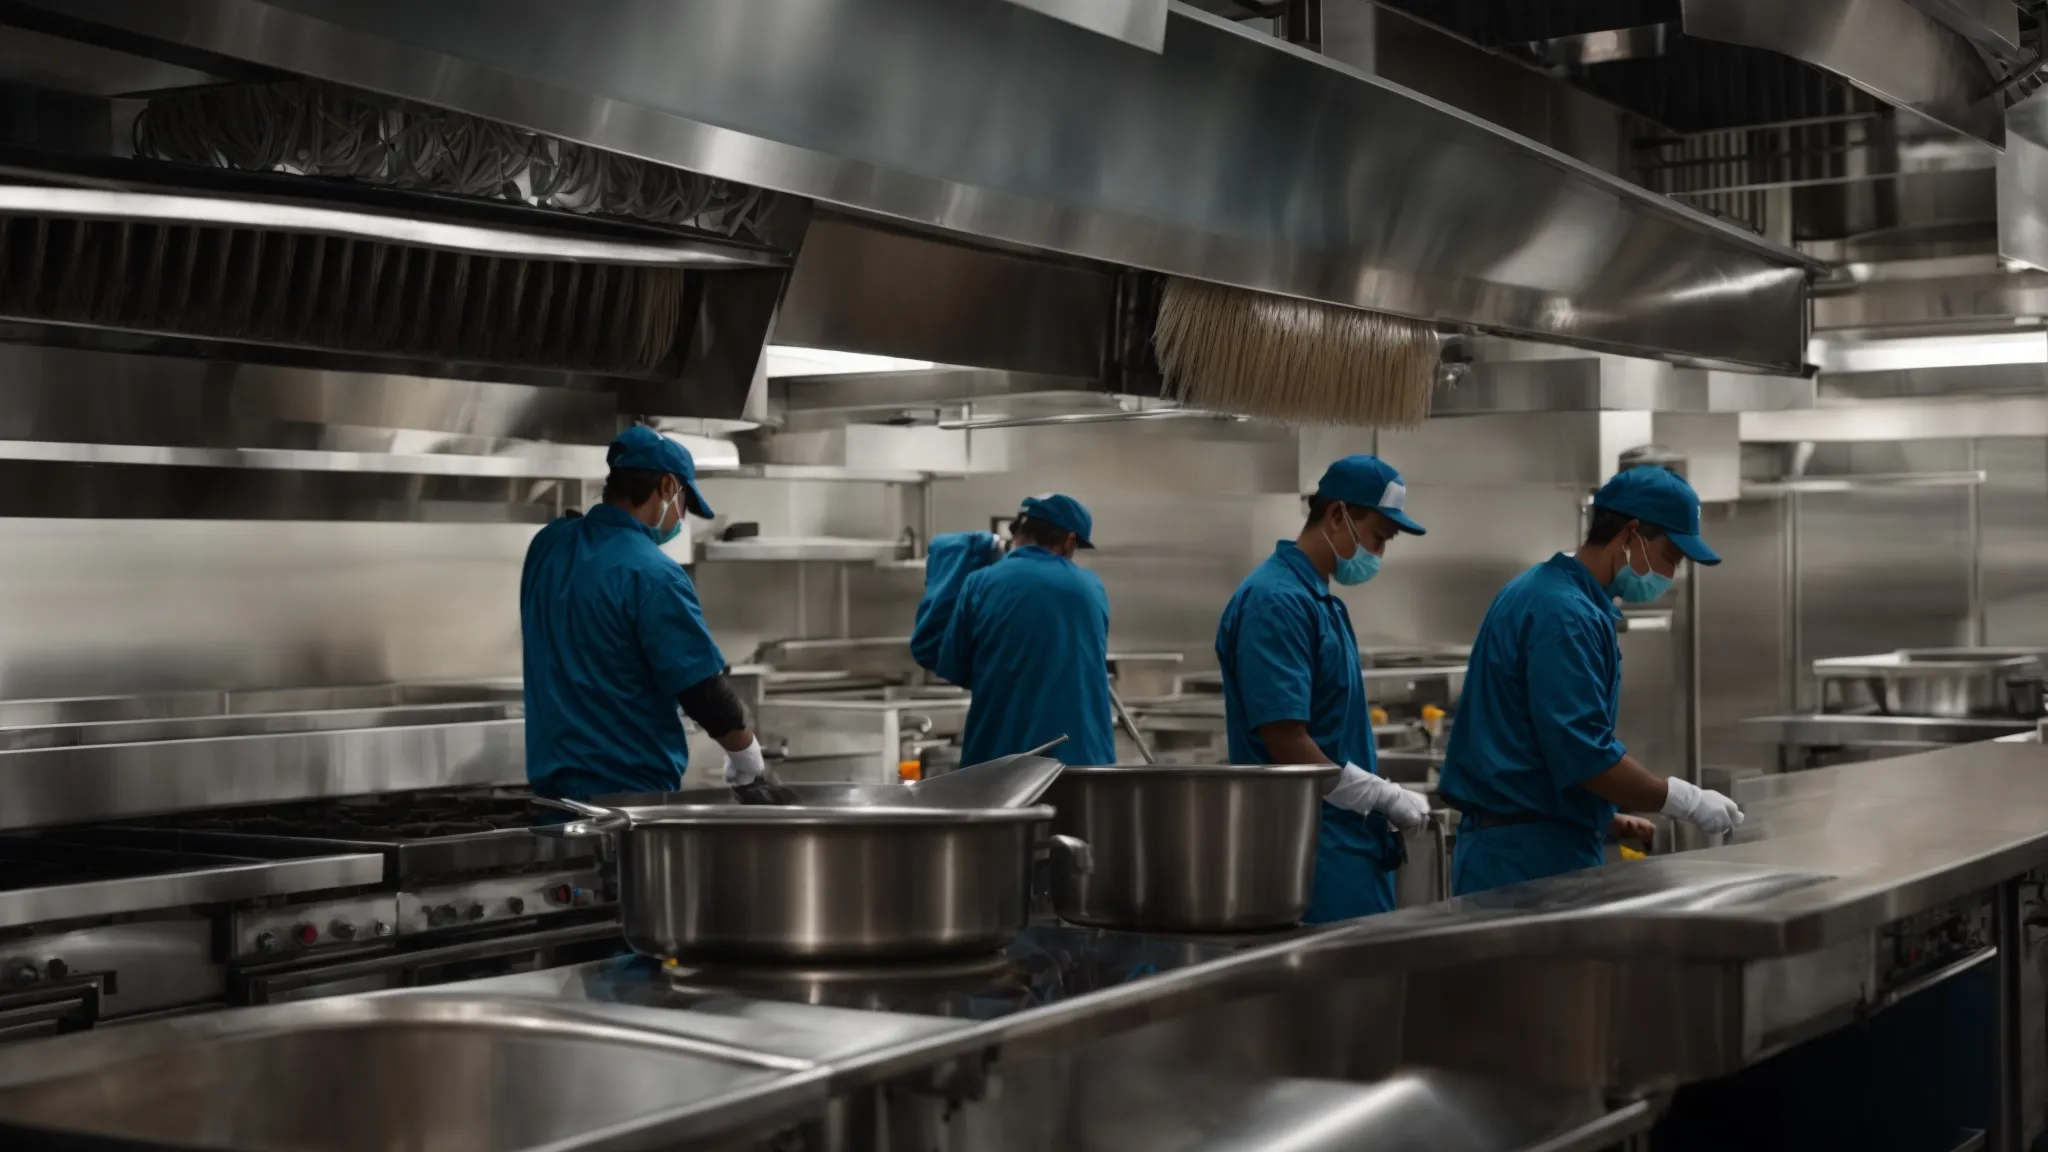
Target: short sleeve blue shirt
(1542, 695)
(1287, 651)
(611, 632)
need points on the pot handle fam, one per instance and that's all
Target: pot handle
(596, 821)
(1072, 859)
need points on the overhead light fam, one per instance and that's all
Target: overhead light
(786, 360)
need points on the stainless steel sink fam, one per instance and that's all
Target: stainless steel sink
(393, 1073)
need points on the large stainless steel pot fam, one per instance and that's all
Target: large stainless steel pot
(1189, 848)
(738, 882)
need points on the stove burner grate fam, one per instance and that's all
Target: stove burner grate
(417, 816)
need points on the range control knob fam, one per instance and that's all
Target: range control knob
(381, 928)
(441, 916)
(563, 894)
(342, 930)
(22, 973)
(306, 934)
(515, 905)
(266, 941)
(475, 911)
(57, 969)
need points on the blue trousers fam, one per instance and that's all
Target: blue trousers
(1511, 853)
(1350, 879)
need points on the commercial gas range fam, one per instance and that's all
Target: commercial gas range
(122, 920)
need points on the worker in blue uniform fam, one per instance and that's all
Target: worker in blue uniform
(1293, 691)
(615, 641)
(1026, 631)
(1534, 766)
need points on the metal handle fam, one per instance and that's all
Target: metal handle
(596, 820)
(1069, 862)
(1048, 746)
(1124, 714)
(1071, 856)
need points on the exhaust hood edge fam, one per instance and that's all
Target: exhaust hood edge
(1417, 155)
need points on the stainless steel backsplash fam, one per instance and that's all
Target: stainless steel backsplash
(111, 606)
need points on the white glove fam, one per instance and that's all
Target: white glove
(1710, 811)
(1364, 793)
(744, 766)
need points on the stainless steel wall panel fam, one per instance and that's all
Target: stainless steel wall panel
(2015, 522)
(101, 607)
(1742, 659)
(1884, 568)
(1436, 588)
(988, 120)
(1570, 449)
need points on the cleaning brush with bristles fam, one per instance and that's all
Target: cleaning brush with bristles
(1290, 360)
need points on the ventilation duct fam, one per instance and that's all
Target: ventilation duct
(297, 223)
(986, 120)
(340, 294)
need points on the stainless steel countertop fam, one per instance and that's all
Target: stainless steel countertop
(1825, 855)
(1836, 730)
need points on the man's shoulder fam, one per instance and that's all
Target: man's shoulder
(1273, 586)
(1559, 604)
(552, 538)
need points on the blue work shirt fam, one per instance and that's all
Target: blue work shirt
(1029, 637)
(951, 559)
(1536, 717)
(612, 633)
(1287, 652)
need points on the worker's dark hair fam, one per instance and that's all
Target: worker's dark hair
(631, 487)
(1607, 524)
(1043, 533)
(1319, 507)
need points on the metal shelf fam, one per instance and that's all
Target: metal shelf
(788, 548)
(539, 462)
(825, 472)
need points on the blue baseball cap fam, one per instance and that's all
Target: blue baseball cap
(1061, 511)
(643, 447)
(1659, 496)
(1369, 482)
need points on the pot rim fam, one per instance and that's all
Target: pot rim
(776, 815)
(1247, 771)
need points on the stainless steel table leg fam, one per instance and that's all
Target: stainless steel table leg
(2008, 1127)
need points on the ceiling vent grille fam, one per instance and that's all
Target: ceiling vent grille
(342, 294)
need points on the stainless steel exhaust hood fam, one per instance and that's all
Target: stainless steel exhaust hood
(1892, 49)
(1228, 157)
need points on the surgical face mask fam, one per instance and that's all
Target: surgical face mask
(1358, 567)
(664, 535)
(1638, 587)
